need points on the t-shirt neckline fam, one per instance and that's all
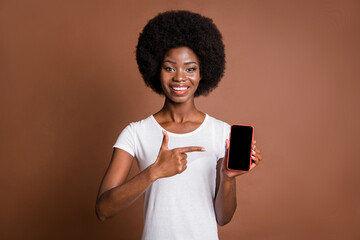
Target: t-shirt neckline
(182, 134)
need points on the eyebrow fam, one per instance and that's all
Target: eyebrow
(187, 63)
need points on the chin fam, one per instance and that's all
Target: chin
(178, 100)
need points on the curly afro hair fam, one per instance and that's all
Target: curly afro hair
(181, 29)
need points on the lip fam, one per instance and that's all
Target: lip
(179, 89)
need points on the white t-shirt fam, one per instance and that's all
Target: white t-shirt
(181, 206)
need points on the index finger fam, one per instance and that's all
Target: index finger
(191, 149)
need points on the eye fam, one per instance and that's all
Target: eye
(193, 69)
(169, 69)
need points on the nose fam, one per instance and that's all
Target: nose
(180, 76)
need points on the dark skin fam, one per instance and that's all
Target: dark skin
(180, 77)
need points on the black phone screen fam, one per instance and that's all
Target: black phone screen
(240, 147)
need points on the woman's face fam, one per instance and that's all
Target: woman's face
(180, 74)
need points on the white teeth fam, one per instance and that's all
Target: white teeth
(179, 88)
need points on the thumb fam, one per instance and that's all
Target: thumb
(227, 145)
(165, 141)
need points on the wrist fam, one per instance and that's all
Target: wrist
(152, 173)
(225, 176)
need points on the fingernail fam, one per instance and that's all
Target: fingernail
(203, 149)
(253, 152)
(253, 157)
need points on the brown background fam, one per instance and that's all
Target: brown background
(70, 84)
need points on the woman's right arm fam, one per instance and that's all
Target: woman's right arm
(115, 193)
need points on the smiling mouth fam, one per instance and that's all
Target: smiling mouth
(179, 90)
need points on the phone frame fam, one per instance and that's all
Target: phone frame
(252, 141)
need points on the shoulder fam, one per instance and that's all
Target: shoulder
(143, 129)
(138, 125)
(218, 124)
(134, 128)
(220, 132)
(130, 135)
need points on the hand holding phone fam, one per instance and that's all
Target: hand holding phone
(239, 153)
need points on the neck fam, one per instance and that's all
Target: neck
(179, 112)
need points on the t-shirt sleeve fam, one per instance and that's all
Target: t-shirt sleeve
(226, 134)
(126, 140)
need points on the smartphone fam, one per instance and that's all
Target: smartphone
(239, 154)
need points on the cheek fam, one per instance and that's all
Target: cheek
(163, 78)
(195, 80)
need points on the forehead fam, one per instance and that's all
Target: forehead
(181, 54)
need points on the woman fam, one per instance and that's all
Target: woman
(181, 151)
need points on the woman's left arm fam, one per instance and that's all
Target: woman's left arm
(225, 196)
